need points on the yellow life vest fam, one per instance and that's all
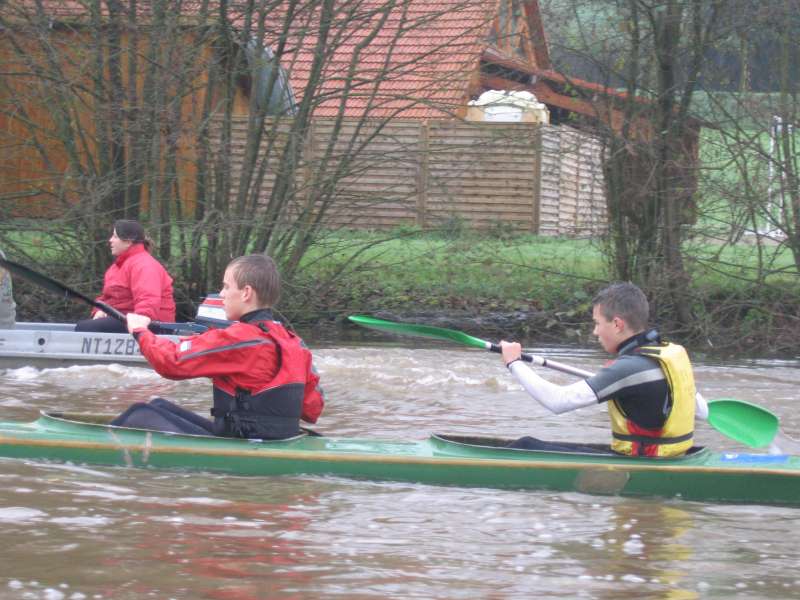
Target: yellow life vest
(675, 437)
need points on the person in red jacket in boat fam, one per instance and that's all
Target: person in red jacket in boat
(135, 282)
(263, 379)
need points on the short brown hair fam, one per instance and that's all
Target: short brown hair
(260, 273)
(626, 301)
(132, 231)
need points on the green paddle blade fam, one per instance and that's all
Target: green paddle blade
(747, 423)
(420, 331)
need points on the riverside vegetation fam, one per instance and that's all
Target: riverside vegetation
(494, 284)
(539, 289)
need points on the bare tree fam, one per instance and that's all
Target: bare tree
(733, 66)
(752, 186)
(180, 114)
(654, 51)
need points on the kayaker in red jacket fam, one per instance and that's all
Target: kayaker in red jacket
(135, 283)
(262, 373)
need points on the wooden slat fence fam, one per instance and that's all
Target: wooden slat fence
(540, 179)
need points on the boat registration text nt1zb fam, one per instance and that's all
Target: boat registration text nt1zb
(113, 347)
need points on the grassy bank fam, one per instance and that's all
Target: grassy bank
(546, 284)
(435, 271)
(537, 289)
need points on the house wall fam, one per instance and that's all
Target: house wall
(32, 166)
(49, 139)
(538, 179)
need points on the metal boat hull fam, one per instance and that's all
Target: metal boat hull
(440, 460)
(58, 345)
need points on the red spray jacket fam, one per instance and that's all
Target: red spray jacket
(241, 356)
(138, 283)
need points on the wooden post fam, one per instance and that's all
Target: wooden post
(423, 173)
(307, 172)
(537, 186)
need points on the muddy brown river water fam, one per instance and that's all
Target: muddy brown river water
(79, 532)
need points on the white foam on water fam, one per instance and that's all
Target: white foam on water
(105, 486)
(23, 373)
(18, 514)
(204, 501)
(107, 495)
(81, 521)
(83, 376)
(73, 468)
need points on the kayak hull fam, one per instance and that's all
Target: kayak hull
(439, 460)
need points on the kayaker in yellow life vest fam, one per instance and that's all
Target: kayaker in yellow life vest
(649, 386)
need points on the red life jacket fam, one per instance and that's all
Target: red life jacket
(262, 374)
(274, 411)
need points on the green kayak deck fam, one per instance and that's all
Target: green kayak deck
(440, 460)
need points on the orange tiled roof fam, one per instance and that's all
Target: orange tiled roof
(414, 61)
(418, 59)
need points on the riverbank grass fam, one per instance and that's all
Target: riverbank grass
(742, 295)
(444, 271)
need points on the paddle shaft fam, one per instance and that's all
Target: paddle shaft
(545, 362)
(67, 292)
(459, 337)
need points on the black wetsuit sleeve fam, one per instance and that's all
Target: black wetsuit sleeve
(639, 387)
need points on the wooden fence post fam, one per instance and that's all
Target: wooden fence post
(423, 174)
(307, 172)
(537, 186)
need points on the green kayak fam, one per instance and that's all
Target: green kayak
(701, 475)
